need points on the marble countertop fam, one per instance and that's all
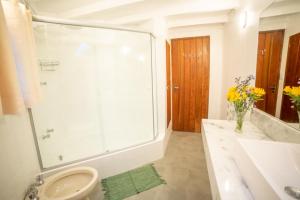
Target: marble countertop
(218, 138)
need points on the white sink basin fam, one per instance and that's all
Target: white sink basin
(71, 184)
(268, 167)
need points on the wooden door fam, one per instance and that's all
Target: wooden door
(168, 83)
(190, 81)
(268, 67)
(292, 78)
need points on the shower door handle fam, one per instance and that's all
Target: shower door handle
(46, 136)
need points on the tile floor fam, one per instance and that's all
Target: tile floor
(183, 168)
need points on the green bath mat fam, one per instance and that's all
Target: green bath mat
(130, 183)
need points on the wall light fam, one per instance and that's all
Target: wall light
(245, 19)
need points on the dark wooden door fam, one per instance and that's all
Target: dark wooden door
(268, 67)
(190, 81)
(168, 83)
(292, 78)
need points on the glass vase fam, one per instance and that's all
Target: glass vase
(239, 121)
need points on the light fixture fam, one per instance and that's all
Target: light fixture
(245, 19)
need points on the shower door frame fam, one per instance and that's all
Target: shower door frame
(153, 83)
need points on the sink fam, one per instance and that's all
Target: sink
(268, 167)
(71, 184)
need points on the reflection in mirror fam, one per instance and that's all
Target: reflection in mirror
(278, 60)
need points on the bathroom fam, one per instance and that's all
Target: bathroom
(97, 91)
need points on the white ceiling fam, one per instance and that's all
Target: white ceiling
(177, 13)
(282, 7)
(122, 12)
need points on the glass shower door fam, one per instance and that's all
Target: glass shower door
(97, 91)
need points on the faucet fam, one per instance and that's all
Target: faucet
(32, 191)
(292, 191)
(39, 180)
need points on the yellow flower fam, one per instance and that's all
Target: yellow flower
(287, 89)
(292, 91)
(296, 91)
(244, 95)
(258, 91)
(232, 89)
(233, 95)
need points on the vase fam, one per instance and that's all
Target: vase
(239, 121)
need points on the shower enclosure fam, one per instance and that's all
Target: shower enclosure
(98, 91)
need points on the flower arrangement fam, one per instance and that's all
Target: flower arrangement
(294, 94)
(243, 96)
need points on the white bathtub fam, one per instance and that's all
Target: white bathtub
(120, 161)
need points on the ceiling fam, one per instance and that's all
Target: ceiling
(177, 13)
(122, 12)
(282, 7)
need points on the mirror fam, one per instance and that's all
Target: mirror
(278, 60)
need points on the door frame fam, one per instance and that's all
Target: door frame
(168, 83)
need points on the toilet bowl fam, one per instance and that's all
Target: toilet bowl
(72, 184)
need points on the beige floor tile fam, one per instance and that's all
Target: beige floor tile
(183, 168)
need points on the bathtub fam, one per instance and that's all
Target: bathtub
(120, 161)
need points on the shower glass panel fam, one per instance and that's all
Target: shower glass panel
(97, 91)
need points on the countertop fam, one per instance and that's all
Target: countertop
(219, 138)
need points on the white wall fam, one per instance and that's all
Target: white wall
(159, 30)
(291, 24)
(216, 60)
(240, 46)
(19, 163)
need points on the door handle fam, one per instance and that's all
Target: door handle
(176, 87)
(273, 88)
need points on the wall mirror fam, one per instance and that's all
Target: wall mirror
(278, 59)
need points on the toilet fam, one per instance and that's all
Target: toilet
(71, 184)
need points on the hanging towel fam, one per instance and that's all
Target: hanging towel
(20, 43)
(11, 101)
